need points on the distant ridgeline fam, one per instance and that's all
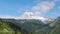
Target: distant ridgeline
(33, 26)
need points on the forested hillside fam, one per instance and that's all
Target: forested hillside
(30, 27)
(56, 27)
(51, 29)
(6, 28)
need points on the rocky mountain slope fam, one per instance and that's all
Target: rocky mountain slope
(34, 26)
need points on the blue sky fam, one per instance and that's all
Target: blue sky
(18, 7)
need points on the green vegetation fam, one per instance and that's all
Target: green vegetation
(37, 28)
(7, 29)
(56, 29)
(51, 30)
(30, 27)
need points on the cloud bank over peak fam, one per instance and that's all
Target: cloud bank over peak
(29, 15)
(37, 10)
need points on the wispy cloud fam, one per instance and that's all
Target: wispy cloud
(56, 13)
(56, 0)
(43, 7)
(59, 7)
(24, 9)
(7, 16)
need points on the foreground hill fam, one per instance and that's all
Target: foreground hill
(56, 27)
(6, 28)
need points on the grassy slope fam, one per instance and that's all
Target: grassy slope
(8, 28)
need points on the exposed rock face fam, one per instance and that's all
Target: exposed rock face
(4, 30)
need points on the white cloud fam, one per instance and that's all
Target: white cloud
(30, 15)
(56, 0)
(7, 16)
(43, 7)
(24, 9)
(55, 13)
(59, 7)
